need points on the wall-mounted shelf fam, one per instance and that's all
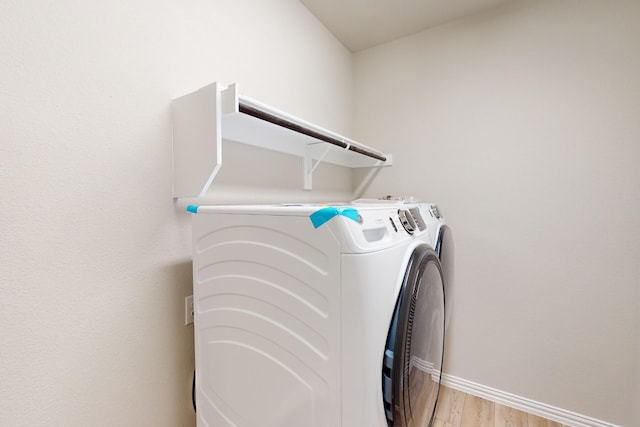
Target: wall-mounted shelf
(202, 119)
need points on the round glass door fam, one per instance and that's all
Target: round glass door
(415, 345)
(444, 248)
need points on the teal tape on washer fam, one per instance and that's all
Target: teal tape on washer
(192, 208)
(323, 215)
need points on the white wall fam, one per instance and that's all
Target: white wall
(95, 257)
(522, 123)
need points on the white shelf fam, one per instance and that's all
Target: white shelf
(202, 119)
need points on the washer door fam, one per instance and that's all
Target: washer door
(444, 248)
(415, 345)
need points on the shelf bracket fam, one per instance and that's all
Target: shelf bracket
(309, 166)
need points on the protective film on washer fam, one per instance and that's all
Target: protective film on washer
(323, 215)
(192, 208)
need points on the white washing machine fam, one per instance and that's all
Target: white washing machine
(319, 316)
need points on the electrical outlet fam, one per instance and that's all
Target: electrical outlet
(188, 310)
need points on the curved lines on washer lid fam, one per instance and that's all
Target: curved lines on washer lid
(252, 353)
(264, 243)
(252, 314)
(270, 283)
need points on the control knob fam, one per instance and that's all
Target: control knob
(407, 221)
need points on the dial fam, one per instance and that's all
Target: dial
(407, 221)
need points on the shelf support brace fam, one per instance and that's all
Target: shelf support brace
(309, 166)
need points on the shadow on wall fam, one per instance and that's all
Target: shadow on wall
(180, 276)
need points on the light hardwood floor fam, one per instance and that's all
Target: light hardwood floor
(458, 409)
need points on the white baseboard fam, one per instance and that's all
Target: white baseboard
(523, 404)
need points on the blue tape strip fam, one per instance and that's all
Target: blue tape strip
(323, 215)
(192, 208)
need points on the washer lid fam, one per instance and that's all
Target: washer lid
(413, 358)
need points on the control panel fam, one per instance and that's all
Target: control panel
(379, 226)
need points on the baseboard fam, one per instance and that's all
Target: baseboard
(523, 404)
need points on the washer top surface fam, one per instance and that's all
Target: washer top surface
(361, 226)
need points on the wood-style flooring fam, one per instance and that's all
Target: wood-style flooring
(458, 409)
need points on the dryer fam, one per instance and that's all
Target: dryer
(319, 316)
